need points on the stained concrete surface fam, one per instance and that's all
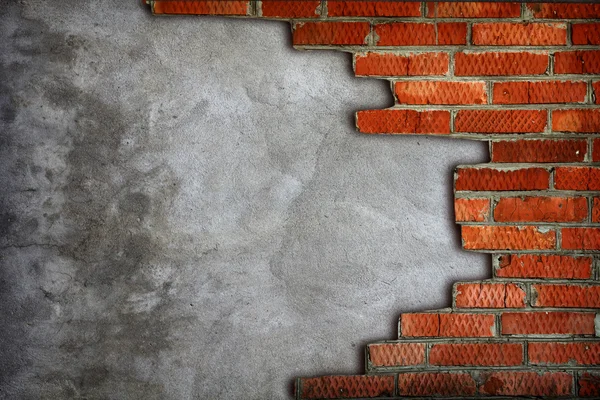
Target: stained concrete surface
(187, 211)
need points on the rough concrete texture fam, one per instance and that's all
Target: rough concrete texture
(187, 211)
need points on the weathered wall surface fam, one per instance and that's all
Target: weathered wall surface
(187, 211)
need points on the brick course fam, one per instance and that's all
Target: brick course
(526, 78)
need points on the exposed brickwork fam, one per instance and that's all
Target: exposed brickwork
(539, 151)
(525, 77)
(544, 266)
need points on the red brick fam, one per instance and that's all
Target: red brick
(436, 384)
(476, 354)
(421, 34)
(471, 210)
(405, 34)
(342, 387)
(291, 9)
(579, 353)
(396, 354)
(517, 383)
(489, 295)
(564, 11)
(544, 266)
(541, 92)
(413, 64)
(559, 295)
(577, 62)
(451, 33)
(580, 238)
(403, 121)
(596, 92)
(577, 178)
(596, 209)
(494, 179)
(500, 121)
(547, 323)
(447, 325)
(473, 10)
(372, 9)
(507, 238)
(539, 151)
(330, 33)
(435, 92)
(588, 33)
(589, 385)
(419, 325)
(515, 34)
(596, 150)
(541, 209)
(501, 63)
(587, 121)
(199, 7)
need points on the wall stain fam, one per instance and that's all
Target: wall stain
(114, 235)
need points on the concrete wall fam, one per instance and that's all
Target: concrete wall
(187, 211)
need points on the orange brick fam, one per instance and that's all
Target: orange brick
(577, 62)
(515, 34)
(489, 295)
(596, 209)
(421, 34)
(541, 209)
(372, 9)
(577, 296)
(548, 353)
(539, 151)
(596, 150)
(476, 354)
(495, 179)
(432, 92)
(564, 11)
(517, 383)
(405, 34)
(577, 178)
(291, 9)
(335, 387)
(542, 92)
(587, 121)
(581, 238)
(388, 64)
(403, 121)
(451, 33)
(199, 7)
(544, 266)
(473, 10)
(501, 63)
(500, 121)
(396, 354)
(447, 325)
(507, 238)
(330, 33)
(438, 384)
(596, 92)
(589, 385)
(547, 323)
(588, 33)
(471, 210)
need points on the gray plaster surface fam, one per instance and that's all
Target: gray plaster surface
(188, 213)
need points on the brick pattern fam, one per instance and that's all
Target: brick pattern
(525, 78)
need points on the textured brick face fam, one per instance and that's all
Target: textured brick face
(525, 78)
(411, 64)
(476, 354)
(539, 151)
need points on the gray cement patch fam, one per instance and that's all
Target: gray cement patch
(189, 213)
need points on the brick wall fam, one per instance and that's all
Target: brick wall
(525, 78)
